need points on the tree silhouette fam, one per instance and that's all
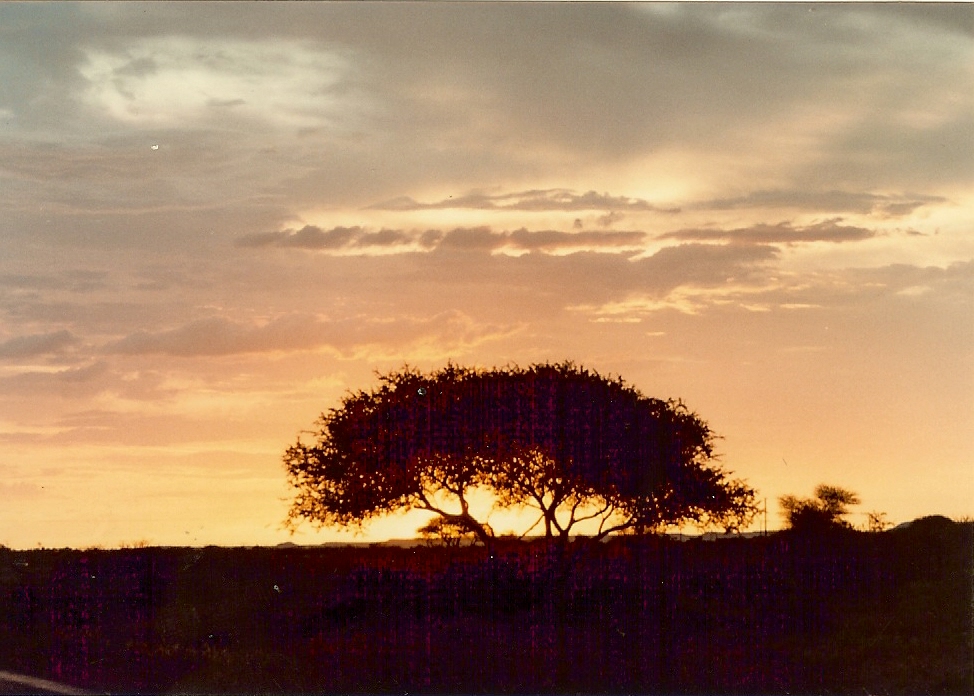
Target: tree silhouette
(446, 533)
(575, 446)
(876, 521)
(822, 513)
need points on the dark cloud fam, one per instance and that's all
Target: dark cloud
(430, 238)
(308, 237)
(782, 233)
(537, 200)
(37, 344)
(311, 237)
(382, 238)
(462, 94)
(471, 239)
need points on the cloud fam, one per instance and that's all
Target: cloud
(308, 237)
(536, 200)
(430, 238)
(473, 239)
(825, 201)
(82, 381)
(344, 104)
(782, 233)
(551, 240)
(900, 288)
(37, 345)
(314, 238)
(382, 238)
(167, 80)
(704, 264)
(540, 286)
(219, 336)
(955, 282)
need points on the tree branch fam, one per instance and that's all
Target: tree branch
(464, 518)
(554, 522)
(628, 524)
(601, 513)
(536, 523)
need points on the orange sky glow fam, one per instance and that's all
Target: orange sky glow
(217, 219)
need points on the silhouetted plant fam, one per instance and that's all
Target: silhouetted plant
(822, 513)
(446, 533)
(877, 522)
(575, 446)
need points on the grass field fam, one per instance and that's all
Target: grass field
(852, 613)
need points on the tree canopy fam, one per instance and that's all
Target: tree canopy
(822, 513)
(574, 445)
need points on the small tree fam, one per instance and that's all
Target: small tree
(822, 513)
(446, 533)
(575, 446)
(876, 521)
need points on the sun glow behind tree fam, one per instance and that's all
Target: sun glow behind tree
(576, 447)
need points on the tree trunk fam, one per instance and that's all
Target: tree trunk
(465, 519)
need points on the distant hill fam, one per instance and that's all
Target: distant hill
(926, 521)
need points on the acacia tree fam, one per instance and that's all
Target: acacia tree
(822, 513)
(575, 446)
(450, 534)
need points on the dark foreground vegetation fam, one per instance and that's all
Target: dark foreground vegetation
(849, 612)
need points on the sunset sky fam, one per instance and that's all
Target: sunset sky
(217, 218)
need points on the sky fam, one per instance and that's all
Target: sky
(217, 219)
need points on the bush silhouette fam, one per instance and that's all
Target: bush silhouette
(820, 514)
